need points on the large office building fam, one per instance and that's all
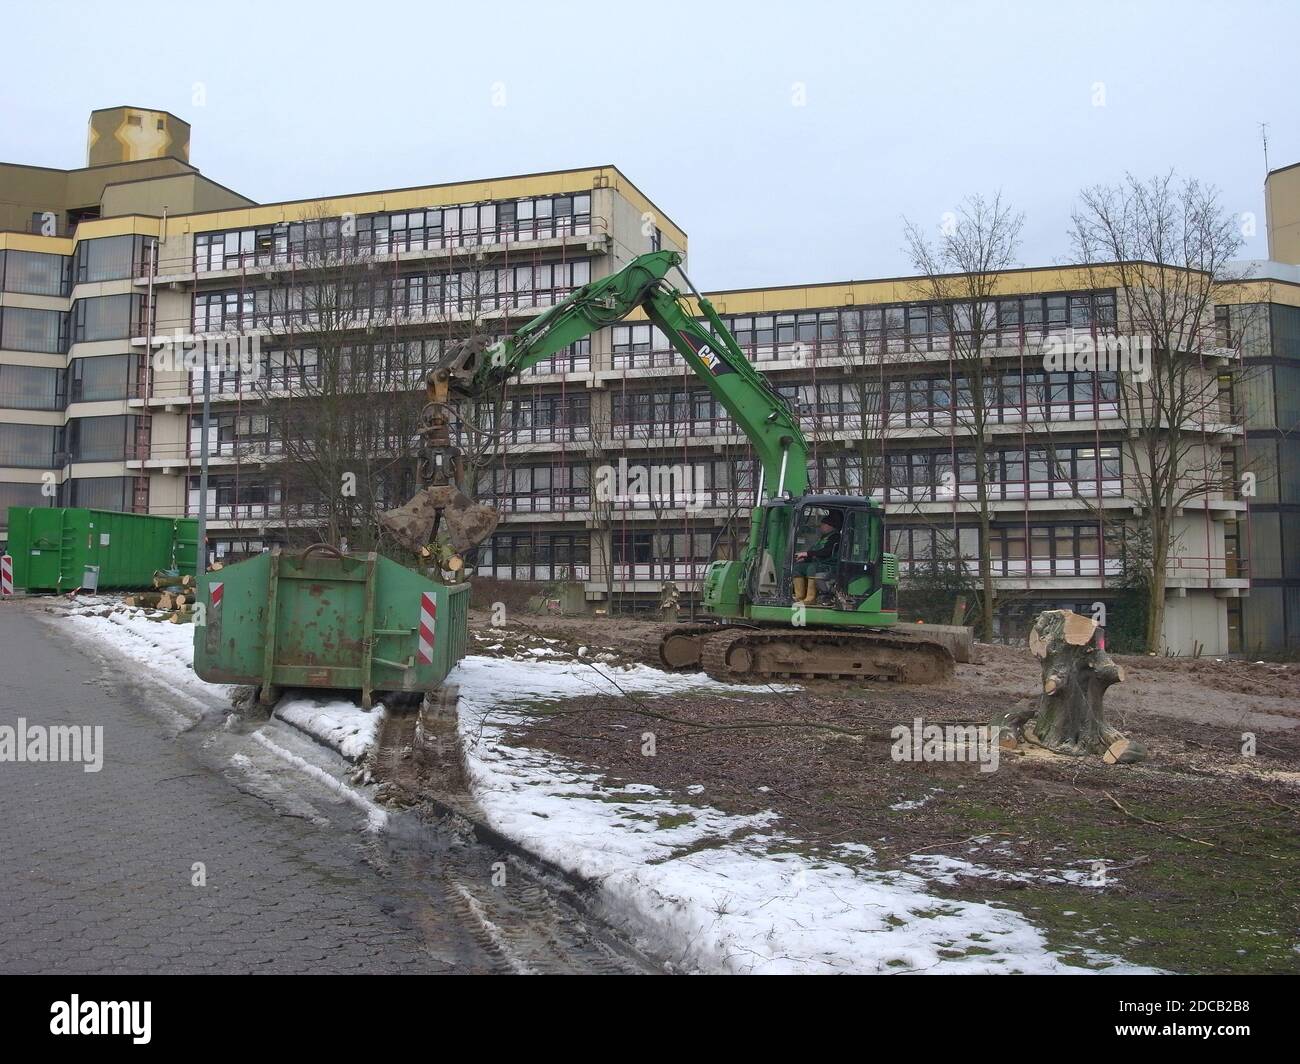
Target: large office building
(102, 267)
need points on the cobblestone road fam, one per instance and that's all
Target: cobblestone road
(96, 868)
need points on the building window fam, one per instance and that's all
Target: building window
(104, 318)
(640, 345)
(102, 378)
(24, 329)
(31, 388)
(34, 273)
(1047, 550)
(420, 229)
(234, 498)
(110, 258)
(538, 418)
(576, 358)
(103, 493)
(656, 553)
(541, 489)
(536, 556)
(102, 439)
(30, 446)
(28, 495)
(348, 304)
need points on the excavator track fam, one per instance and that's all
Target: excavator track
(679, 648)
(741, 654)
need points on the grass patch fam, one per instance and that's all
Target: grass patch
(1183, 907)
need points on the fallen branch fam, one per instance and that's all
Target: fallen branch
(1156, 824)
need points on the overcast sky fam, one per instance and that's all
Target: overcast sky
(789, 139)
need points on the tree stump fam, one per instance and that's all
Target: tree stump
(669, 600)
(1076, 673)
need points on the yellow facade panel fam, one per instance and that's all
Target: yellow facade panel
(398, 200)
(51, 245)
(899, 290)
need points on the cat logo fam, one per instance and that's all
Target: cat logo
(708, 356)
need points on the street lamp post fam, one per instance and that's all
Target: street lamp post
(203, 468)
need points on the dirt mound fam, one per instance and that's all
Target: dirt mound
(622, 640)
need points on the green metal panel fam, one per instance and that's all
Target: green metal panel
(35, 539)
(826, 615)
(187, 543)
(328, 620)
(722, 589)
(51, 547)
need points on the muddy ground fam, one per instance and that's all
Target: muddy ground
(1186, 862)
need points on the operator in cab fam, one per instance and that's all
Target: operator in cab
(818, 560)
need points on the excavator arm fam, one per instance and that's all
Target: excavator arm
(476, 369)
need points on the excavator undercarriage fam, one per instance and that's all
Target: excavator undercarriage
(733, 653)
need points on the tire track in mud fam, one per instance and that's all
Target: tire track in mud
(527, 914)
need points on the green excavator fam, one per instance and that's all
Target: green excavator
(845, 622)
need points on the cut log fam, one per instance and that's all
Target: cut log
(165, 601)
(1076, 673)
(144, 599)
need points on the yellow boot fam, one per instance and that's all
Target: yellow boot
(810, 593)
(799, 589)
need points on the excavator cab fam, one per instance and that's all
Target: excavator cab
(850, 581)
(846, 580)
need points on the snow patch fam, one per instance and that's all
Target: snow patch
(946, 870)
(714, 891)
(167, 651)
(163, 649)
(342, 726)
(376, 818)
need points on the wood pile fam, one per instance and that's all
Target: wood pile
(173, 596)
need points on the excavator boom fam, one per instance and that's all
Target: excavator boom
(475, 369)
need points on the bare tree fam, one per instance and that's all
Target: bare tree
(602, 521)
(865, 413)
(959, 275)
(1167, 246)
(341, 396)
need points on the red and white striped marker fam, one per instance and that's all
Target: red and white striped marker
(214, 591)
(6, 576)
(428, 615)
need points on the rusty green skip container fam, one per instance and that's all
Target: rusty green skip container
(52, 545)
(319, 618)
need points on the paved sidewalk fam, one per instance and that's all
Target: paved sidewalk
(95, 868)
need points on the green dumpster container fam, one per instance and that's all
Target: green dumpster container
(319, 618)
(53, 545)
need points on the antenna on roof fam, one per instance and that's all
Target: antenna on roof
(1263, 135)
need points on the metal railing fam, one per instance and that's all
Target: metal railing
(363, 246)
